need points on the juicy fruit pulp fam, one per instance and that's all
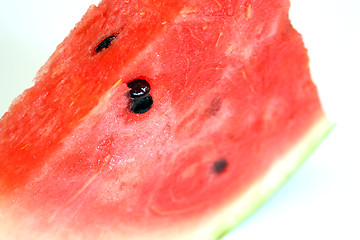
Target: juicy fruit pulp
(229, 94)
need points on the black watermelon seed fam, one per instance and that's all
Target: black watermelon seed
(220, 166)
(139, 88)
(141, 105)
(105, 43)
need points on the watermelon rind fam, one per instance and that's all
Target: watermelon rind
(222, 222)
(277, 175)
(216, 225)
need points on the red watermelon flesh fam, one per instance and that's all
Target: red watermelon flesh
(233, 106)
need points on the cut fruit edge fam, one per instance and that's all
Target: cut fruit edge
(221, 222)
(265, 187)
(218, 223)
(276, 176)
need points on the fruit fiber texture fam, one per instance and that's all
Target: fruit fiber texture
(229, 113)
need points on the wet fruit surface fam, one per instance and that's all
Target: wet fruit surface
(101, 150)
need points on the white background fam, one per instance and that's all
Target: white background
(322, 200)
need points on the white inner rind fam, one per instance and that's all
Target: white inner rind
(235, 213)
(215, 226)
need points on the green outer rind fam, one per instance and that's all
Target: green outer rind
(315, 137)
(267, 186)
(216, 225)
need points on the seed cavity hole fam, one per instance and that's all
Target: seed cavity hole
(220, 166)
(140, 99)
(105, 43)
(214, 107)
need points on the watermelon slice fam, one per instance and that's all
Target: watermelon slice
(159, 120)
